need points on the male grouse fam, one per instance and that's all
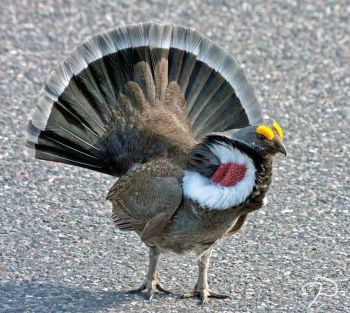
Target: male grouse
(172, 115)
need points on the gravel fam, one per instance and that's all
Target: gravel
(59, 251)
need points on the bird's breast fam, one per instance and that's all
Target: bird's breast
(229, 174)
(230, 185)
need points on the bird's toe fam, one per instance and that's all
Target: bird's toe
(161, 289)
(217, 295)
(190, 294)
(150, 294)
(137, 290)
(204, 295)
(151, 286)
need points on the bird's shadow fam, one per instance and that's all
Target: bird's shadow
(42, 296)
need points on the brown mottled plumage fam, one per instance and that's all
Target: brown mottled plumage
(164, 109)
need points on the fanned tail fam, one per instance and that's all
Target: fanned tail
(135, 92)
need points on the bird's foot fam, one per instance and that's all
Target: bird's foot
(204, 294)
(151, 285)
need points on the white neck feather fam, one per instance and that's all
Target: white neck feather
(216, 197)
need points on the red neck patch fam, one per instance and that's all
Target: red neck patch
(229, 174)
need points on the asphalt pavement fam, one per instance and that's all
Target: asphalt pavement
(59, 251)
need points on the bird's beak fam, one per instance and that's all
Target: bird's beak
(281, 148)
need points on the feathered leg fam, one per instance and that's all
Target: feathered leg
(201, 289)
(152, 278)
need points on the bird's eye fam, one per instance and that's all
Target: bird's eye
(261, 137)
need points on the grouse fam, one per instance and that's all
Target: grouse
(172, 115)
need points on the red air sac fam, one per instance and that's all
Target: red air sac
(229, 174)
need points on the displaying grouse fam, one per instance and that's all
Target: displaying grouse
(172, 115)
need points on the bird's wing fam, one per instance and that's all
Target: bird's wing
(237, 226)
(146, 198)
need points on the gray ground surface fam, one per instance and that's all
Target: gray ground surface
(59, 250)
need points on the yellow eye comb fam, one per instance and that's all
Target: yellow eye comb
(278, 129)
(265, 131)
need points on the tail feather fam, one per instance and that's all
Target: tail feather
(161, 78)
(106, 105)
(201, 85)
(143, 77)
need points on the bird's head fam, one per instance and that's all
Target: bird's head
(262, 139)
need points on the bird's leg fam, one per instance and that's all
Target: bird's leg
(152, 278)
(201, 289)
